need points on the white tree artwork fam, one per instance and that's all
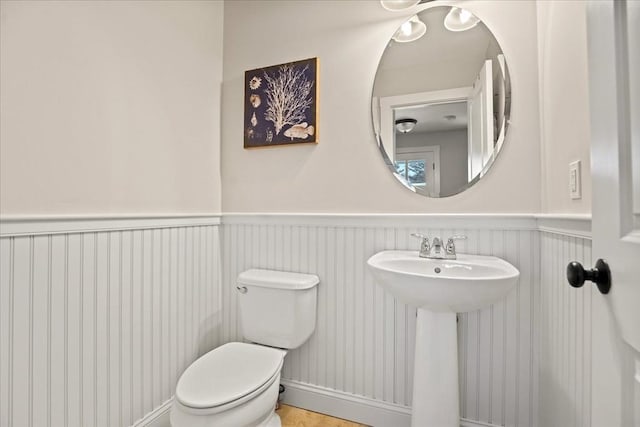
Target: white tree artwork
(288, 96)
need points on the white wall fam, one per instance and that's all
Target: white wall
(110, 107)
(345, 172)
(564, 103)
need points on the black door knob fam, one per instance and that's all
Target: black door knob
(600, 275)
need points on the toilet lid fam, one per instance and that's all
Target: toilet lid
(227, 373)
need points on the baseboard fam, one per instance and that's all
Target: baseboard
(159, 417)
(470, 423)
(345, 405)
(352, 407)
(326, 401)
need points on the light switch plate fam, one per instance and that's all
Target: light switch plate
(575, 184)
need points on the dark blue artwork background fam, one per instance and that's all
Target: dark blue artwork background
(256, 136)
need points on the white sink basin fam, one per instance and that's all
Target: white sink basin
(468, 283)
(440, 288)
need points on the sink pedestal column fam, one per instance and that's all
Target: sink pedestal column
(435, 378)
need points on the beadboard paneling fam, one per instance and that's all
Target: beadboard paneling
(565, 337)
(96, 327)
(364, 340)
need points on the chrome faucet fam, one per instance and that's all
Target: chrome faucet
(435, 250)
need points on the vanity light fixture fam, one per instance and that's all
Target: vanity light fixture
(395, 5)
(410, 31)
(460, 20)
(405, 125)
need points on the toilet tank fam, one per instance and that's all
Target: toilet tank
(277, 308)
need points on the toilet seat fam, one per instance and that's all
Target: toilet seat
(233, 374)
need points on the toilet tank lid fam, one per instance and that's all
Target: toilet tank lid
(277, 279)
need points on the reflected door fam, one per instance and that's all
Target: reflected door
(480, 131)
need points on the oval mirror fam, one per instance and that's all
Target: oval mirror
(441, 103)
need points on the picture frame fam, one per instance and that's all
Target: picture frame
(281, 104)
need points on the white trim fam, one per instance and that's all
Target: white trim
(345, 405)
(20, 225)
(456, 221)
(470, 423)
(567, 225)
(576, 225)
(326, 401)
(159, 417)
(353, 407)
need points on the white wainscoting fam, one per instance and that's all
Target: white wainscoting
(565, 333)
(97, 325)
(99, 316)
(364, 340)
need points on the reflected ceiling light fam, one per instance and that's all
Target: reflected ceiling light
(460, 20)
(395, 5)
(405, 125)
(410, 31)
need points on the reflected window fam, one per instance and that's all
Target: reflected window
(412, 171)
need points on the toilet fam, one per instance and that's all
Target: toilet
(237, 384)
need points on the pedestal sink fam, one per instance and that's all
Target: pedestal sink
(440, 288)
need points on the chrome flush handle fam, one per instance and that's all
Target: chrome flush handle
(242, 289)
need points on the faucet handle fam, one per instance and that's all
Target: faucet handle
(451, 246)
(425, 247)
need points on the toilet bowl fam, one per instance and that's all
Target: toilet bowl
(237, 384)
(233, 385)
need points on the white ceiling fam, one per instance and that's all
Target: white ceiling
(431, 118)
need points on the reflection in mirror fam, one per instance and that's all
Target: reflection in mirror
(441, 104)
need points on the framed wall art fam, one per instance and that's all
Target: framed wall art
(281, 104)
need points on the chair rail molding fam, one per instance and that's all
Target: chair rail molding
(575, 225)
(495, 221)
(22, 225)
(565, 224)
